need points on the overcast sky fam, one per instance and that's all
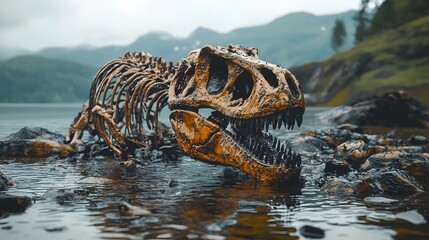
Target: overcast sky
(35, 24)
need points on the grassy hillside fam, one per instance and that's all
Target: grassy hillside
(38, 79)
(290, 40)
(393, 60)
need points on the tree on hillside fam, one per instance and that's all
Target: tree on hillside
(394, 13)
(362, 19)
(338, 35)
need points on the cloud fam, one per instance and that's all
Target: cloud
(34, 24)
(15, 13)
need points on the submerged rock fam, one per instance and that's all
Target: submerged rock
(13, 204)
(5, 182)
(311, 232)
(35, 143)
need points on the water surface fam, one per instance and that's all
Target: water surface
(187, 199)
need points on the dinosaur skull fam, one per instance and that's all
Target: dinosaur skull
(247, 96)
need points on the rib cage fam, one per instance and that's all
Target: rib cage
(132, 90)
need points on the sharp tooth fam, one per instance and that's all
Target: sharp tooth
(257, 149)
(275, 122)
(289, 152)
(278, 158)
(267, 124)
(278, 146)
(284, 118)
(261, 153)
(275, 142)
(299, 120)
(260, 124)
(271, 160)
(279, 124)
(288, 160)
(299, 160)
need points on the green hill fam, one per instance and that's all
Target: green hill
(290, 40)
(392, 60)
(38, 79)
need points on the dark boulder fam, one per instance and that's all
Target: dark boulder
(394, 109)
(13, 204)
(35, 143)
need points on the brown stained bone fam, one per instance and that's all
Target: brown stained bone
(79, 125)
(129, 93)
(126, 94)
(205, 141)
(264, 99)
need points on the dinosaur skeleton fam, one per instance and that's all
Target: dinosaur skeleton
(245, 94)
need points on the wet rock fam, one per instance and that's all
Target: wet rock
(336, 167)
(412, 216)
(221, 225)
(355, 152)
(380, 200)
(339, 186)
(35, 133)
(5, 182)
(351, 127)
(311, 232)
(418, 140)
(335, 136)
(65, 196)
(34, 142)
(13, 204)
(55, 229)
(416, 164)
(393, 109)
(388, 182)
(133, 210)
(308, 142)
(173, 183)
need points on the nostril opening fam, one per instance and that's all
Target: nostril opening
(243, 86)
(270, 77)
(292, 86)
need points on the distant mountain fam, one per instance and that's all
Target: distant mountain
(8, 52)
(64, 74)
(396, 59)
(290, 40)
(39, 79)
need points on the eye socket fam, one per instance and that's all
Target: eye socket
(292, 86)
(243, 86)
(218, 76)
(270, 77)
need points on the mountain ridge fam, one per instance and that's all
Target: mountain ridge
(290, 40)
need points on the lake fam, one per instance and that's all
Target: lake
(187, 199)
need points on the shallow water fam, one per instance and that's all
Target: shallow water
(187, 199)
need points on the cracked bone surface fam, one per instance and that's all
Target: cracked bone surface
(247, 96)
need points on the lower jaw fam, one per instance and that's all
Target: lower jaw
(222, 149)
(203, 140)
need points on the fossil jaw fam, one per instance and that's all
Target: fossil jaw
(240, 143)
